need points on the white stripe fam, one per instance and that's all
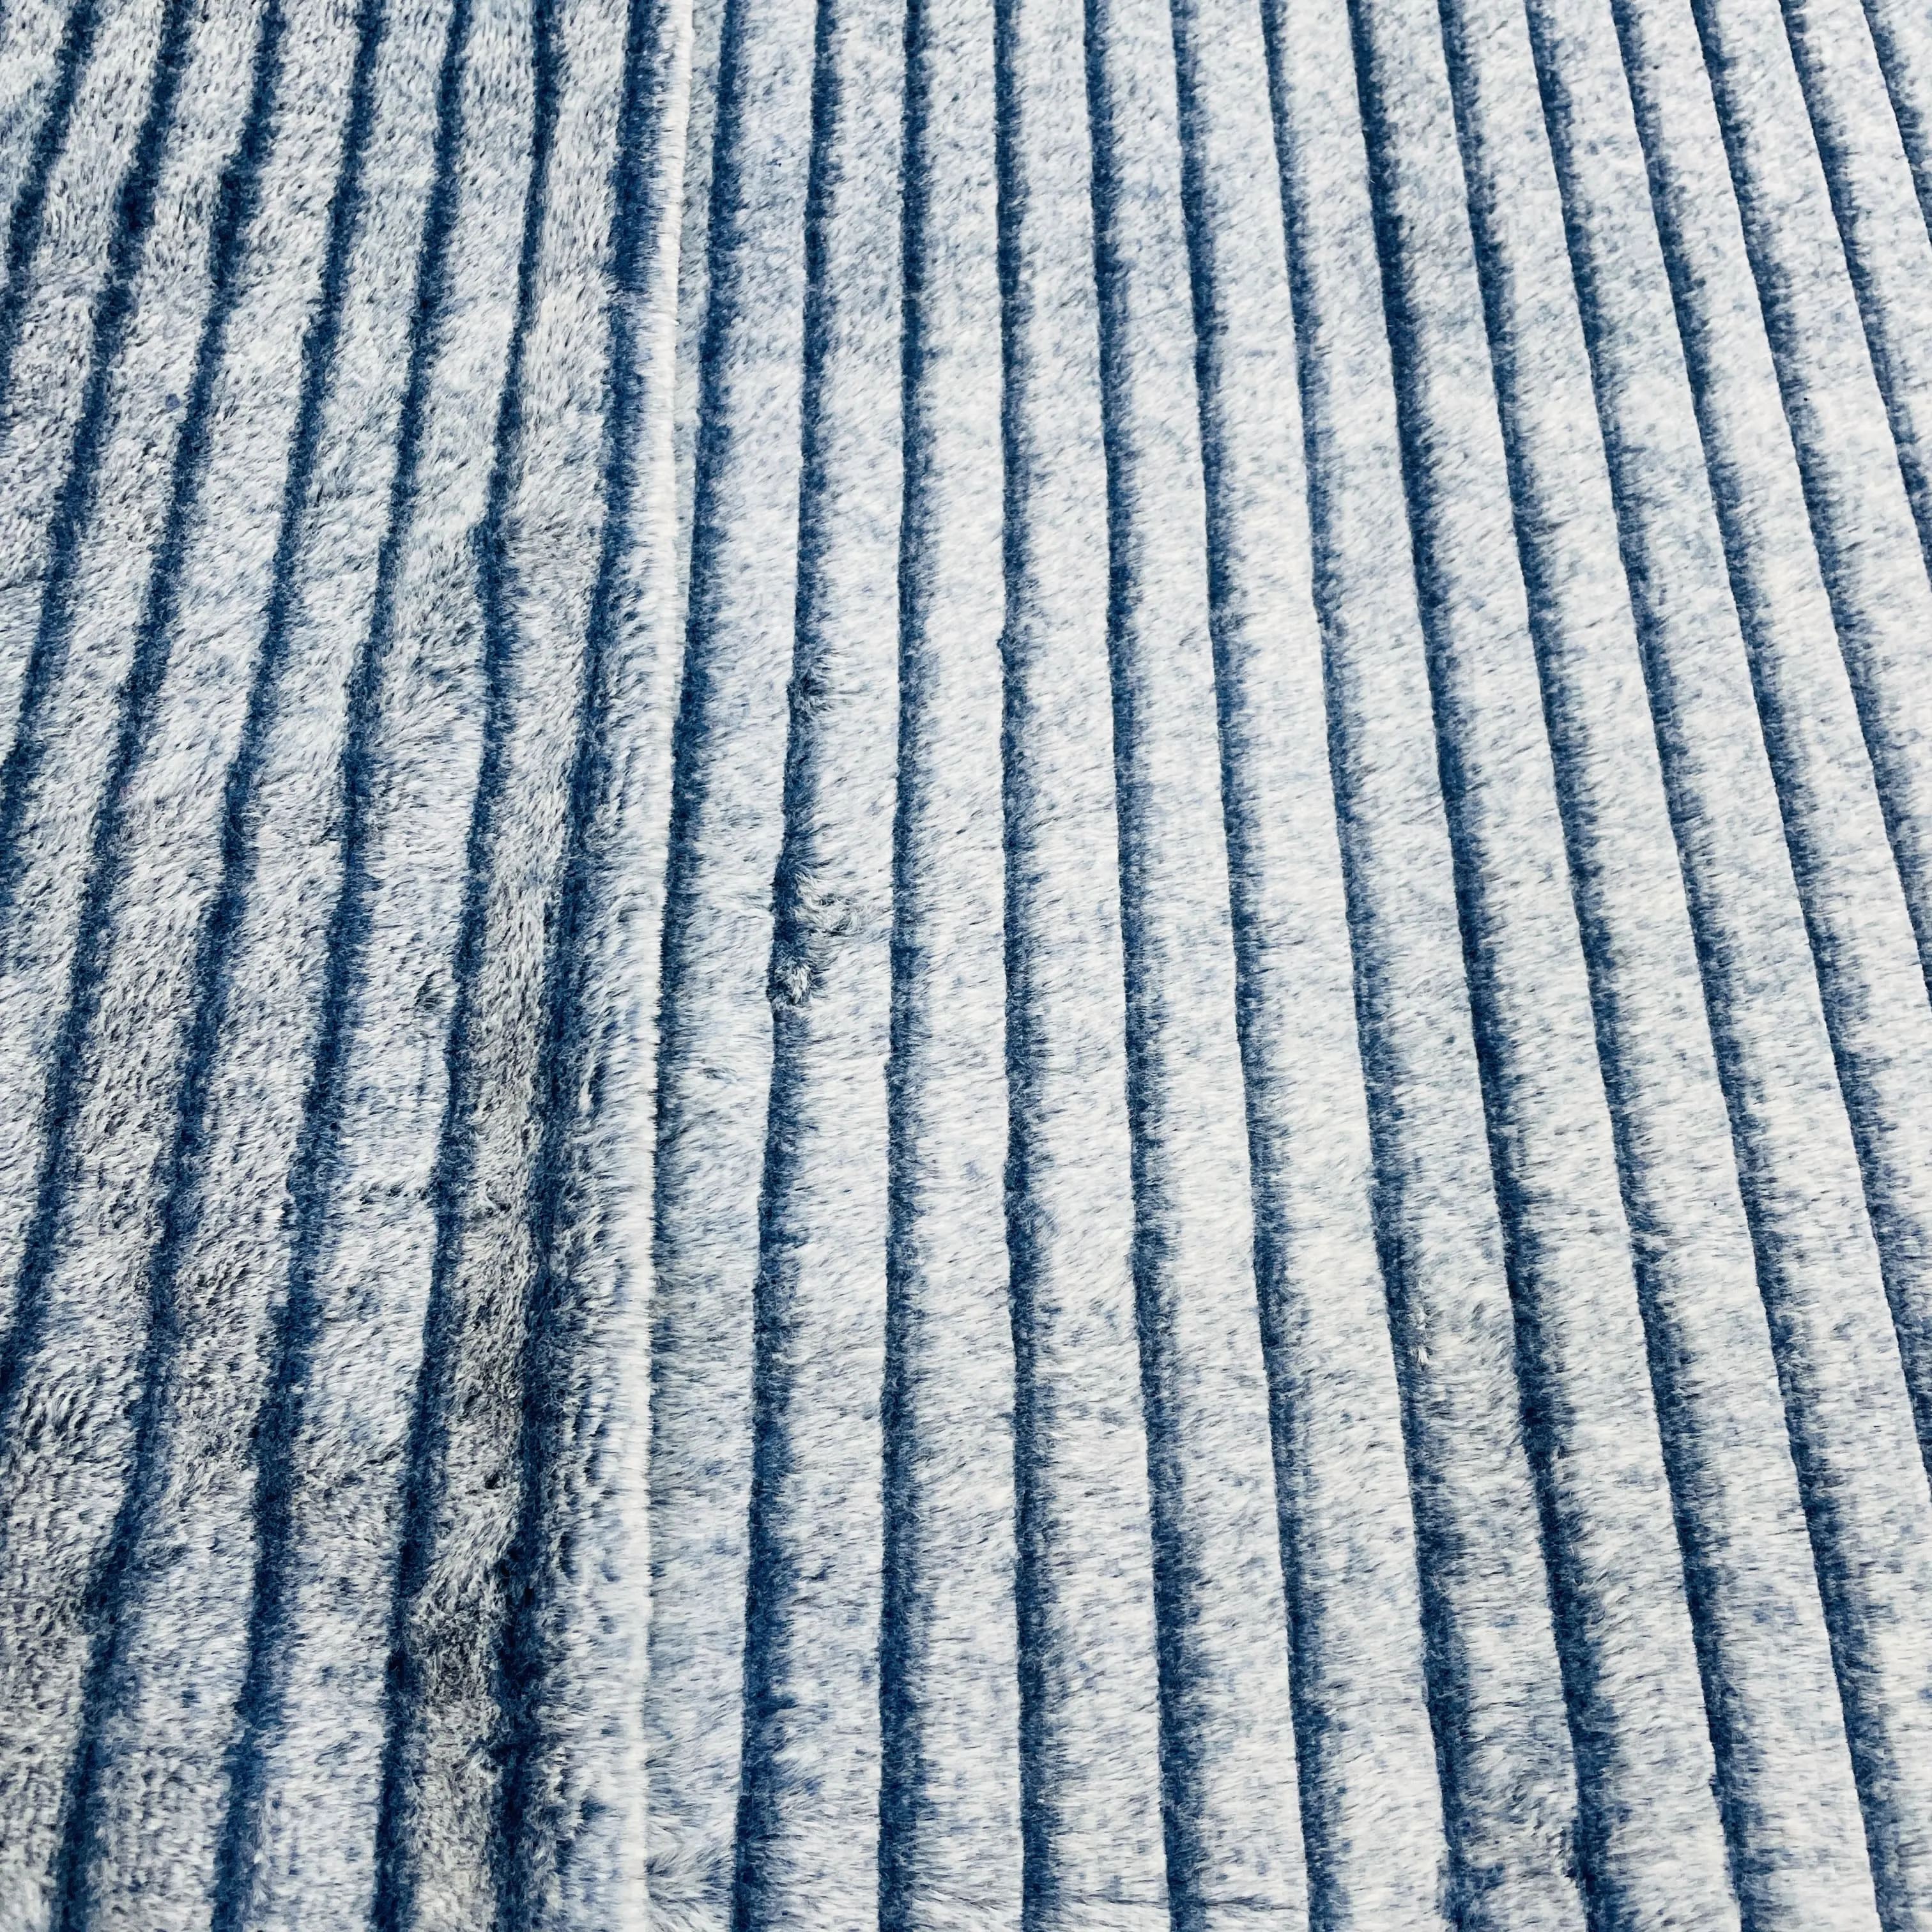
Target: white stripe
(1876, 570)
(963, 1863)
(1097, 1745)
(813, 1857)
(49, 370)
(185, 1689)
(70, 1435)
(552, 531)
(30, 38)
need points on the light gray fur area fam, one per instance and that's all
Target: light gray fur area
(964, 965)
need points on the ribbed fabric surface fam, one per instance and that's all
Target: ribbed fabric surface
(964, 964)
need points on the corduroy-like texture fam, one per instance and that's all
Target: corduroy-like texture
(964, 965)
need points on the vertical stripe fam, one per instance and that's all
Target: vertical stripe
(439, 1631)
(1881, 1028)
(694, 277)
(71, 290)
(65, 1570)
(1888, 249)
(1089, 1767)
(39, 40)
(448, 1829)
(73, 508)
(950, 1826)
(1902, 38)
(193, 1657)
(1630, 1671)
(66, 406)
(205, 558)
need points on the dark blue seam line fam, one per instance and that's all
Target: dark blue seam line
(1912, 129)
(1697, 1542)
(1872, 1766)
(905, 1770)
(116, 1588)
(528, 1826)
(87, 965)
(533, 1836)
(1531, 518)
(297, 1322)
(1033, 1582)
(1177, 1584)
(772, 1572)
(1788, 357)
(1445, 1665)
(26, 223)
(1836, 164)
(392, 1908)
(74, 508)
(1541, 1425)
(1327, 1905)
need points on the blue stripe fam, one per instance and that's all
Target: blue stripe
(1445, 1665)
(905, 1768)
(1697, 1541)
(1176, 1586)
(1914, 137)
(1836, 165)
(1319, 1827)
(1789, 358)
(1032, 1584)
(1570, 1605)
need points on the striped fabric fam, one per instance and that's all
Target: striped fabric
(964, 965)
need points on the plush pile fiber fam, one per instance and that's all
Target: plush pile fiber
(964, 964)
